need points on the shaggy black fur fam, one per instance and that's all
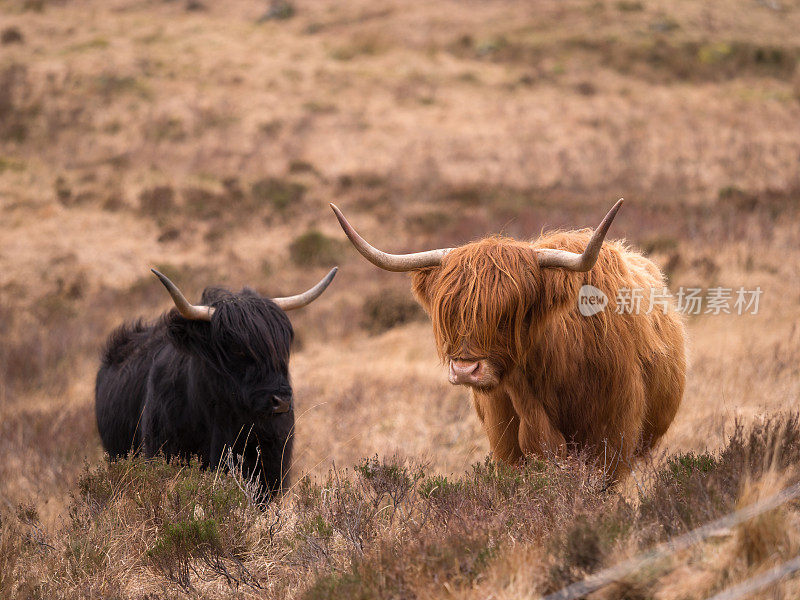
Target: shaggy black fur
(194, 388)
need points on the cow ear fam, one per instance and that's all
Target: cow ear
(560, 288)
(212, 294)
(422, 283)
(186, 335)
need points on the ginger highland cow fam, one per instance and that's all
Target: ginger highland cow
(545, 378)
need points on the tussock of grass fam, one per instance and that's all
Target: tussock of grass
(277, 193)
(388, 309)
(188, 521)
(157, 201)
(17, 109)
(314, 248)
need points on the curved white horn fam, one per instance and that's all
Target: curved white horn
(187, 310)
(307, 297)
(390, 262)
(579, 262)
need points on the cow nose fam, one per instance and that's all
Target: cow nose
(463, 371)
(281, 405)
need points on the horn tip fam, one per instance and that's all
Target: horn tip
(346, 227)
(615, 209)
(331, 274)
(338, 213)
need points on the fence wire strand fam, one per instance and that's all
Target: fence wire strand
(759, 582)
(617, 572)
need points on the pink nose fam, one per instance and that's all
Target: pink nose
(462, 371)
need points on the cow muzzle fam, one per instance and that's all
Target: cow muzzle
(467, 372)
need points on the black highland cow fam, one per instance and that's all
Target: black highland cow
(202, 379)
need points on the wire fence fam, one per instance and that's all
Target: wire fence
(617, 572)
(759, 582)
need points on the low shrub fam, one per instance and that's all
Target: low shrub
(277, 193)
(388, 529)
(315, 249)
(194, 516)
(388, 309)
(157, 201)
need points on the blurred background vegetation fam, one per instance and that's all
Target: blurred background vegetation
(206, 139)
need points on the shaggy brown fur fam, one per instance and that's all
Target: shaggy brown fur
(610, 382)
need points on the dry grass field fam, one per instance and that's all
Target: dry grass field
(208, 138)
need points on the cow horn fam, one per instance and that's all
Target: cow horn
(187, 310)
(579, 262)
(390, 262)
(307, 297)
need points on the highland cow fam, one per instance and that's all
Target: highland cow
(202, 380)
(545, 378)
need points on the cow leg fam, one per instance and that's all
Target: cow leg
(500, 423)
(616, 445)
(664, 377)
(216, 448)
(538, 435)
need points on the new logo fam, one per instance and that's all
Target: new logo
(591, 300)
